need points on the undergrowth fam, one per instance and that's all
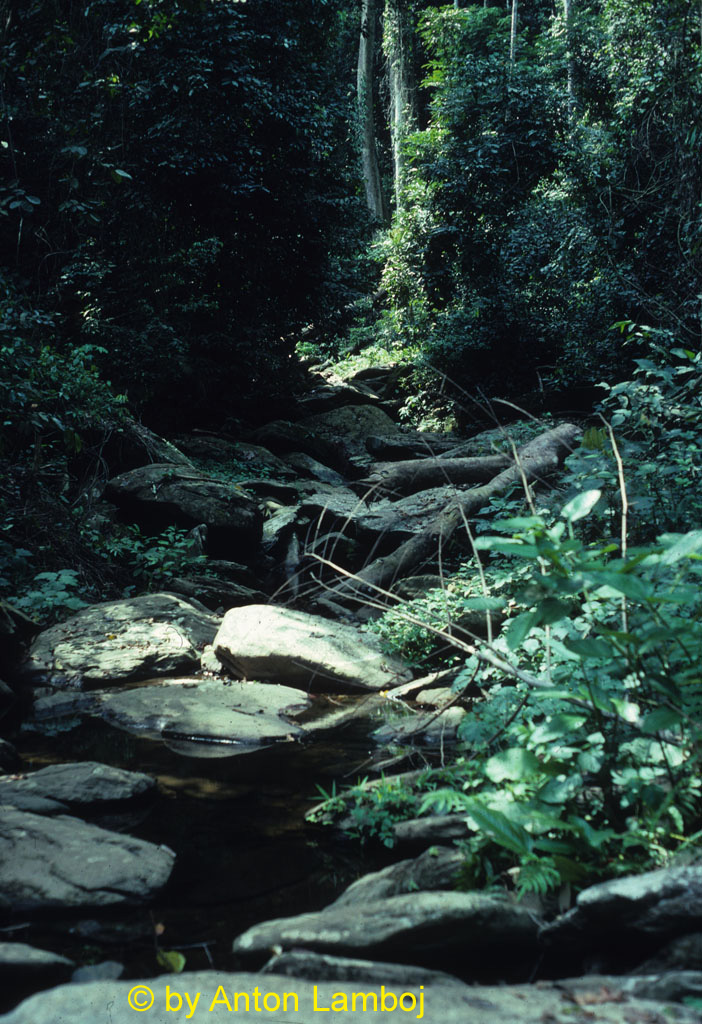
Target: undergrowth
(579, 756)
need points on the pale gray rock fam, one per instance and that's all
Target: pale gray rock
(417, 927)
(665, 903)
(17, 958)
(303, 963)
(436, 868)
(245, 714)
(161, 495)
(65, 862)
(268, 642)
(121, 641)
(66, 788)
(107, 1002)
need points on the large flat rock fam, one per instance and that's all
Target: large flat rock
(63, 788)
(64, 862)
(212, 998)
(268, 642)
(246, 714)
(417, 927)
(188, 709)
(121, 641)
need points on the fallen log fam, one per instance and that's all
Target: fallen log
(537, 460)
(412, 475)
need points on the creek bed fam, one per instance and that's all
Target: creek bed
(244, 852)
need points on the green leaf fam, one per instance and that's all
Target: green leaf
(519, 629)
(484, 604)
(683, 547)
(580, 506)
(512, 764)
(120, 176)
(506, 547)
(171, 959)
(497, 825)
(660, 720)
(589, 647)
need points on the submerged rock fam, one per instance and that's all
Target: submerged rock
(267, 642)
(62, 788)
(64, 862)
(120, 641)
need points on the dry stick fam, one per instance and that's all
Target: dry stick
(625, 511)
(487, 655)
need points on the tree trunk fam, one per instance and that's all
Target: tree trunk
(513, 34)
(567, 17)
(412, 475)
(536, 460)
(364, 92)
(398, 48)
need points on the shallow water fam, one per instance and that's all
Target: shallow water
(244, 852)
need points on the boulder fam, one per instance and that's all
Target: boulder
(238, 714)
(238, 457)
(300, 1000)
(436, 828)
(267, 642)
(303, 963)
(657, 904)
(120, 641)
(681, 954)
(347, 430)
(420, 928)
(64, 788)
(305, 465)
(436, 868)
(162, 495)
(431, 728)
(64, 862)
(241, 716)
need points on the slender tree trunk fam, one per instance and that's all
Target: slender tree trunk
(513, 34)
(567, 17)
(398, 47)
(364, 91)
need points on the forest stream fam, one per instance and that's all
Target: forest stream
(219, 765)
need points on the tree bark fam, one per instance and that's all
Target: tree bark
(537, 460)
(398, 47)
(412, 475)
(567, 18)
(364, 92)
(513, 34)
